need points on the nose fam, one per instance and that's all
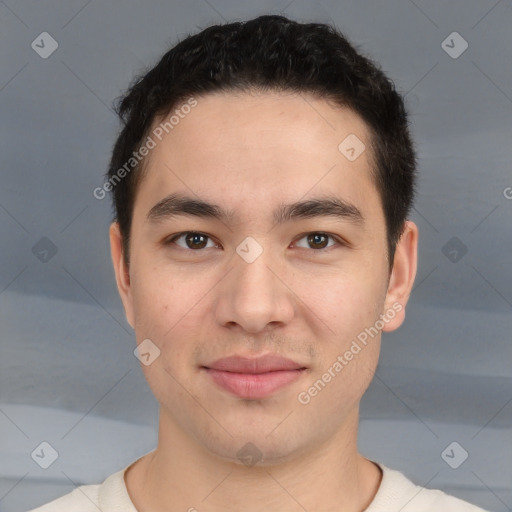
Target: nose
(254, 296)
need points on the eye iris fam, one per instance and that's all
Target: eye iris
(193, 241)
(315, 239)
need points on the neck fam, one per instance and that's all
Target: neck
(182, 474)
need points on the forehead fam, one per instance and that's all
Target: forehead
(247, 149)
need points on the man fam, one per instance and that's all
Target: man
(262, 183)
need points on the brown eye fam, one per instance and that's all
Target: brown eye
(317, 240)
(193, 240)
(196, 241)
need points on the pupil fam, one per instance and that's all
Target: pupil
(192, 241)
(315, 239)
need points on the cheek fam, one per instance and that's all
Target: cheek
(346, 300)
(168, 311)
(171, 310)
(162, 295)
(350, 306)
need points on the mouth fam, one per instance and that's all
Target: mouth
(254, 378)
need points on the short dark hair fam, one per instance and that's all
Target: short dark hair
(271, 53)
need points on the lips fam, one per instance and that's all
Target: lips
(254, 378)
(262, 364)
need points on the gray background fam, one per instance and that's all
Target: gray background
(67, 371)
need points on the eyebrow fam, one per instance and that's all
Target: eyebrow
(328, 206)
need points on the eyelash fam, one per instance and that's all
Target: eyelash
(339, 242)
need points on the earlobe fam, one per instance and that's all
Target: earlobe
(402, 277)
(121, 271)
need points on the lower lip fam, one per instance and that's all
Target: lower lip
(254, 385)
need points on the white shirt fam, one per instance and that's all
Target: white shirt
(395, 494)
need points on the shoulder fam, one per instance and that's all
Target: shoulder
(82, 499)
(106, 497)
(396, 492)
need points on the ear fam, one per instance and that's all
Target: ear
(402, 276)
(121, 270)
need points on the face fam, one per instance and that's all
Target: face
(248, 275)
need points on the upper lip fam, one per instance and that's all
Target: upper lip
(262, 364)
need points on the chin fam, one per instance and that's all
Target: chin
(255, 448)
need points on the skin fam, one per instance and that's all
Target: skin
(249, 153)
